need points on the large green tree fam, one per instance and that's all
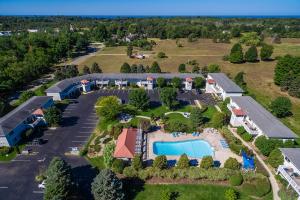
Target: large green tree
(161, 82)
(251, 54)
(199, 82)
(168, 97)
(236, 54)
(281, 107)
(108, 107)
(125, 68)
(53, 116)
(59, 180)
(176, 82)
(96, 68)
(139, 98)
(196, 118)
(266, 52)
(107, 186)
(155, 68)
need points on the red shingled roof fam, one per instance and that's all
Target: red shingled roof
(211, 81)
(38, 112)
(149, 78)
(189, 79)
(238, 112)
(84, 81)
(125, 147)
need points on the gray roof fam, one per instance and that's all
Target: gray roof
(225, 83)
(269, 124)
(64, 84)
(293, 154)
(9, 121)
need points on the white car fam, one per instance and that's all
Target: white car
(42, 185)
(186, 115)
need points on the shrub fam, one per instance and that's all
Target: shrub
(232, 163)
(207, 162)
(281, 107)
(213, 68)
(231, 194)
(108, 154)
(266, 145)
(275, 158)
(137, 162)
(247, 137)
(258, 187)
(161, 55)
(160, 162)
(183, 162)
(5, 150)
(130, 172)
(118, 166)
(236, 180)
(240, 130)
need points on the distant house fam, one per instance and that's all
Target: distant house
(256, 120)
(290, 170)
(5, 33)
(221, 86)
(32, 30)
(148, 83)
(128, 144)
(28, 115)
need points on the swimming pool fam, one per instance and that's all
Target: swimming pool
(193, 148)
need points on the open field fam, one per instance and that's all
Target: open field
(259, 76)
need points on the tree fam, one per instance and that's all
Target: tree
(161, 82)
(107, 186)
(195, 69)
(108, 151)
(140, 69)
(133, 68)
(196, 118)
(53, 116)
(118, 166)
(199, 82)
(168, 97)
(95, 68)
(176, 125)
(239, 79)
(266, 52)
(137, 162)
(59, 180)
(181, 68)
(281, 107)
(155, 68)
(236, 54)
(25, 96)
(176, 82)
(236, 32)
(129, 51)
(251, 54)
(213, 68)
(230, 194)
(183, 162)
(266, 145)
(108, 107)
(161, 55)
(86, 70)
(251, 39)
(275, 158)
(232, 163)
(100, 33)
(218, 120)
(160, 162)
(207, 162)
(139, 98)
(125, 68)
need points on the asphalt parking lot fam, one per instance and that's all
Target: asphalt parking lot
(17, 178)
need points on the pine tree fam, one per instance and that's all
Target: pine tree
(181, 68)
(129, 51)
(251, 54)
(95, 68)
(155, 68)
(86, 70)
(183, 162)
(236, 54)
(266, 52)
(125, 68)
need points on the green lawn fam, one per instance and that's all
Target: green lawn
(12, 154)
(184, 192)
(97, 162)
(160, 110)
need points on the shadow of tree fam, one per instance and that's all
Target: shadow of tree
(132, 186)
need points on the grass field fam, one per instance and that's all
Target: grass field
(259, 76)
(188, 192)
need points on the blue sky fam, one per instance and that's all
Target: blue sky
(149, 7)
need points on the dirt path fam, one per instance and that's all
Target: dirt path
(274, 184)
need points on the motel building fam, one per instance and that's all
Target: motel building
(188, 83)
(129, 143)
(221, 86)
(290, 169)
(147, 84)
(26, 116)
(256, 120)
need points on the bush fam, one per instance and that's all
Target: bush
(258, 187)
(236, 180)
(161, 55)
(183, 162)
(207, 162)
(275, 158)
(232, 163)
(130, 172)
(231, 194)
(240, 130)
(160, 162)
(247, 137)
(5, 150)
(137, 162)
(281, 107)
(266, 145)
(118, 166)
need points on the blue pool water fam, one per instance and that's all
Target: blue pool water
(193, 148)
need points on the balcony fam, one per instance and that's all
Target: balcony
(215, 89)
(249, 128)
(287, 174)
(34, 123)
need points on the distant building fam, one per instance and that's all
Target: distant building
(147, 84)
(5, 33)
(28, 115)
(221, 86)
(256, 120)
(188, 83)
(32, 30)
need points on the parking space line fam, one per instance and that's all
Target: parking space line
(82, 136)
(87, 127)
(38, 192)
(3, 187)
(79, 141)
(20, 160)
(88, 123)
(85, 131)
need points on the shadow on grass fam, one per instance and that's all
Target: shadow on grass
(132, 186)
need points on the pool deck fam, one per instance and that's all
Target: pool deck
(212, 137)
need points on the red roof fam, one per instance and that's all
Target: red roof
(149, 78)
(238, 112)
(125, 147)
(38, 112)
(211, 81)
(84, 81)
(189, 79)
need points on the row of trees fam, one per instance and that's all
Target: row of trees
(251, 55)
(126, 68)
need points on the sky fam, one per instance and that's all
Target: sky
(150, 7)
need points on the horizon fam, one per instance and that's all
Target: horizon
(149, 8)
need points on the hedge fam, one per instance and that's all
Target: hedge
(236, 180)
(5, 150)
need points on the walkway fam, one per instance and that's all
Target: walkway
(274, 184)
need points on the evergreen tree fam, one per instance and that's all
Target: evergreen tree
(251, 54)
(58, 182)
(140, 69)
(195, 69)
(236, 54)
(239, 79)
(137, 162)
(181, 68)
(107, 186)
(196, 118)
(86, 70)
(53, 116)
(95, 68)
(134, 68)
(266, 52)
(129, 50)
(125, 68)
(281, 107)
(161, 82)
(155, 68)
(183, 162)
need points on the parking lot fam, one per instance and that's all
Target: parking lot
(17, 178)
